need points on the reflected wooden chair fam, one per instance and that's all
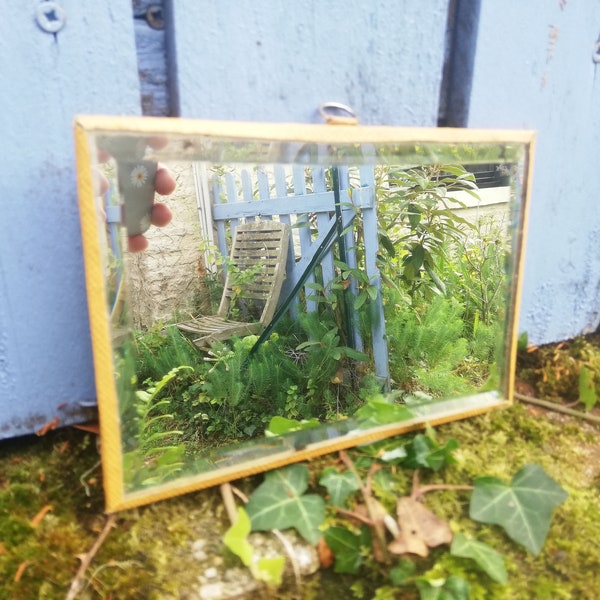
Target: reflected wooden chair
(259, 246)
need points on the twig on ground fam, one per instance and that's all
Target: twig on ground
(86, 559)
(378, 526)
(83, 477)
(418, 491)
(287, 546)
(353, 515)
(239, 494)
(229, 502)
(557, 408)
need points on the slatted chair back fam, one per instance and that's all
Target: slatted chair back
(255, 274)
(262, 247)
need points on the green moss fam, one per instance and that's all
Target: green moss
(149, 554)
(553, 370)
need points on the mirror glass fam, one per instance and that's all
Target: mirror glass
(260, 294)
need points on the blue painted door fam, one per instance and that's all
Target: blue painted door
(396, 62)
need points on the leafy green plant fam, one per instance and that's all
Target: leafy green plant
(568, 372)
(227, 393)
(587, 388)
(150, 461)
(418, 218)
(479, 271)
(452, 588)
(429, 345)
(381, 410)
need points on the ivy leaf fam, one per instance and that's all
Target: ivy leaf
(453, 588)
(339, 485)
(278, 503)
(396, 454)
(523, 508)
(236, 538)
(269, 570)
(378, 410)
(280, 425)
(587, 389)
(488, 560)
(424, 451)
(401, 574)
(265, 569)
(345, 546)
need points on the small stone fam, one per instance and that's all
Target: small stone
(211, 573)
(198, 551)
(200, 555)
(211, 591)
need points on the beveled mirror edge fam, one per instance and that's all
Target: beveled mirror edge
(115, 497)
(519, 266)
(186, 485)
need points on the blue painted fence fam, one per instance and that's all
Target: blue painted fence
(301, 197)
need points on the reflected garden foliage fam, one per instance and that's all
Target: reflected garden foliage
(444, 286)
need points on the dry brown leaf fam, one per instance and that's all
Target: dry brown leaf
(420, 529)
(375, 513)
(338, 377)
(326, 557)
(48, 427)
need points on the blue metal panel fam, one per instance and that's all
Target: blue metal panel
(89, 66)
(276, 60)
(534, 69)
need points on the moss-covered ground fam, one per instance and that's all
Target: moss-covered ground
(51, 513)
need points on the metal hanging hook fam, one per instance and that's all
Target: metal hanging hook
(330, 113)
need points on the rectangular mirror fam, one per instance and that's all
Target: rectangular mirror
(295, 290)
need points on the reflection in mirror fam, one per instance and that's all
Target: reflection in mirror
(305, 296)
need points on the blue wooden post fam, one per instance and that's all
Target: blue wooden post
(366, 200)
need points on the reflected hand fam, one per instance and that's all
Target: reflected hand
(164, 184)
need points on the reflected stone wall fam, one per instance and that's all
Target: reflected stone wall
(165, 275)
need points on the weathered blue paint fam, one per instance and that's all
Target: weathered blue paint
(278, 60)
(534, 69)
(88, 67)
